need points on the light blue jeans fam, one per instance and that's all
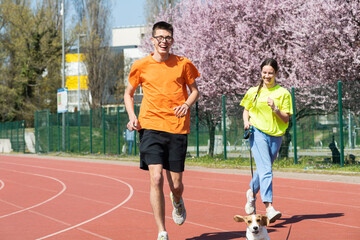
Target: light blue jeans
(264, 149)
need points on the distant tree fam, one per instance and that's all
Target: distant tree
(93, 16)
(228, 39)
(30, 42)
(153, 8)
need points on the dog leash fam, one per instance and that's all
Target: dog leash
(252, 175)
(247, 137)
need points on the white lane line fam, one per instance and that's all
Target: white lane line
(41, 203)
(2, 184)
(56, 220)
(100, 215)
(187, 222)
(85, 173)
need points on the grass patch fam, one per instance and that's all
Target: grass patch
(305, 164)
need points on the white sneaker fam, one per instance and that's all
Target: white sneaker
(179, 211)
(272, 214)
(250, 204)
(163, 236)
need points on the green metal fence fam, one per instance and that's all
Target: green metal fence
(101, 131)
(97, 131)
(15, 132)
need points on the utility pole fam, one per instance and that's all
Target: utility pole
(63, 68)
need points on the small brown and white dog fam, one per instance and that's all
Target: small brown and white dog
(256, 226)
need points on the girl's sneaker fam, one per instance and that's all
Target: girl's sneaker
(250, 203)
(272, 214)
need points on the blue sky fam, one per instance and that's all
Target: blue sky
(128, 13)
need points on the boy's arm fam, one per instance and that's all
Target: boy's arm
(133, 123)
(181, 111)
(194, 95)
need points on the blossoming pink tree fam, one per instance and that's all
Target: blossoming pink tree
(316, 43)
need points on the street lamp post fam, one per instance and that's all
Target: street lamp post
(78, 92)
(63, 67)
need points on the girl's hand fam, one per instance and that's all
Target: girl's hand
(271, 104)
(247, 125)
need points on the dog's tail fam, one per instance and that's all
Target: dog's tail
(287, 238)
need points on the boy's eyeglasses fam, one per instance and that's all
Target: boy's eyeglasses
(168, 39)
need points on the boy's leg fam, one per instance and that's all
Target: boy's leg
(157, 199)
(177, 188)
(175, 183)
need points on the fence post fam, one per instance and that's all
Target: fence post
(48, 129)
(104, 130)
(118, 129)
(197, 128)
(68, 131)
(294, 125)
(36, 133)
(58, 131)
(17, 137)
(341, 125)
(24, 143)
(90, 116)
(79, 131)
(11, 132)
(224, 126)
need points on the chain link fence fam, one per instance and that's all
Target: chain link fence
(14, 132)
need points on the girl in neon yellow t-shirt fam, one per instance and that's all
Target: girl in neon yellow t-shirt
(267, 109)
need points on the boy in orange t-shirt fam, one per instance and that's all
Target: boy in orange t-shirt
(164, 120)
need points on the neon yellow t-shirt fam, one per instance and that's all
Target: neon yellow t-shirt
(261, 115)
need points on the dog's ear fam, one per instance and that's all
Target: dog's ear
(239, 218)
(265, 220)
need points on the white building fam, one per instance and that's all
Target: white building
(128, 39)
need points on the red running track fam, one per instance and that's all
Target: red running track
(48, 198)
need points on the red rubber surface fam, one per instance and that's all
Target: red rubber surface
(60, 199)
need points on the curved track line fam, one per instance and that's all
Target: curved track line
(93, 174)
(98, 216)
(187, 222)
(2, 184)
(39, 204)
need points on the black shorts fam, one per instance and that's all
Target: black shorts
(168, 149)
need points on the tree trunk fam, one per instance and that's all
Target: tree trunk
(284, 149)
(211, 127)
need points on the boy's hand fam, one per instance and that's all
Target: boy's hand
(133, 124)
(181, 111)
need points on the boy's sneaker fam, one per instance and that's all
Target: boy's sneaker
(250, 204)
(179, 211)
(163, 236)
(272, 214)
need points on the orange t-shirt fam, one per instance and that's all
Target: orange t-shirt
(164, 87)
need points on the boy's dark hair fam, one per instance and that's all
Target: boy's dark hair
(162, 25)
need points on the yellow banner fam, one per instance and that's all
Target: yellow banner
(72, 82)
(73, 57)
